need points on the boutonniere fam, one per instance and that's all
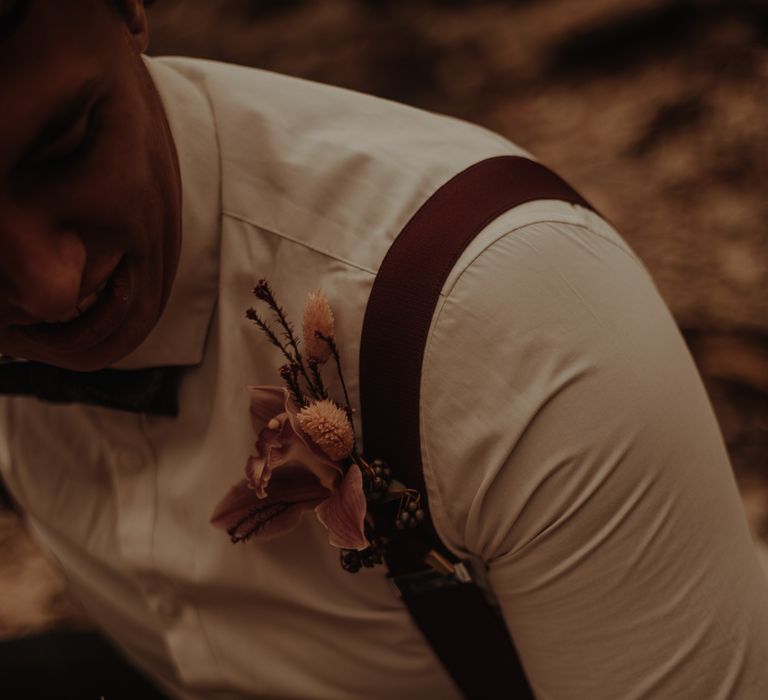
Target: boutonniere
(306, 456)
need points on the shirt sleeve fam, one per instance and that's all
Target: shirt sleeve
(568, 442)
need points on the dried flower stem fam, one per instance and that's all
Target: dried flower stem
(314, 368)
(262, 324)
(407, 495)
(347, 405)
(289, 374)
(264, 292)
(335, 352)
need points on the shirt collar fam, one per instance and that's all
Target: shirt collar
(179, 336)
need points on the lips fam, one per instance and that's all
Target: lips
(90, 300)
(83, 305)
(100, 314)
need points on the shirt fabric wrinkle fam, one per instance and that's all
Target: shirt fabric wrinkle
(582, 441)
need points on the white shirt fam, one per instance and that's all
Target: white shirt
(567, 438)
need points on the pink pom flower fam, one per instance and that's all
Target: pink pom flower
(328, 427)
(290, 474)
(318, 319)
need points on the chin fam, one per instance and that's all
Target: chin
(93, 359)
(111, 329)
(127, 339)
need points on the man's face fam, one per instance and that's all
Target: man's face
(90, 222)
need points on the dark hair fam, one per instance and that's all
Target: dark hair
(11, 14)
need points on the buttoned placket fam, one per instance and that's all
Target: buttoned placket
(135, 477)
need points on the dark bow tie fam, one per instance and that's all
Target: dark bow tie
(152, 390)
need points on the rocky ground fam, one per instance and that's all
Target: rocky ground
(653, 109)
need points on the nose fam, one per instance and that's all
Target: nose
(41, 266)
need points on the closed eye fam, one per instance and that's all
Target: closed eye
(71, 144)
(66, 132)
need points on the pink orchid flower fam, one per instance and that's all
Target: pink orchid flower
(289, 475)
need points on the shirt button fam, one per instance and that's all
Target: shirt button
(169, 608)
(130, 460)
(161, 597)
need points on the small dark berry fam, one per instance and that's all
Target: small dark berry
(412, 506)
(404, 516)
(350, 560)
(371, 556)
(419, 515)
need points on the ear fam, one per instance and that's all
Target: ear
(135, 19)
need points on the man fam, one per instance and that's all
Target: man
(567, 440)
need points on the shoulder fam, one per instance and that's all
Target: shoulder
(568, 442)
(551, 360)
(319, 165)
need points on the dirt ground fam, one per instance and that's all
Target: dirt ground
(653, 109)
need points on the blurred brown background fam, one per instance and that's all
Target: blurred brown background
(653, 109)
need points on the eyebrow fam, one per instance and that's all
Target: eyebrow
(65, 116)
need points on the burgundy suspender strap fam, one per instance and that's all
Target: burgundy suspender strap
(466, 632)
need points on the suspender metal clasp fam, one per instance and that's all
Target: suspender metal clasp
(441, 573)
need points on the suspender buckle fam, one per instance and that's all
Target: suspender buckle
(441, 573)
